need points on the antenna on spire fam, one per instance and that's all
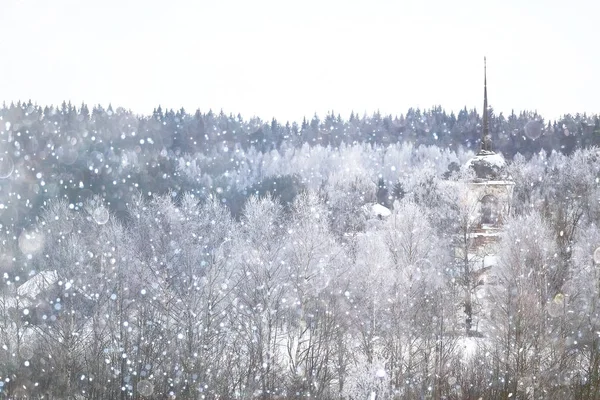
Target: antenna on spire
(486, 142)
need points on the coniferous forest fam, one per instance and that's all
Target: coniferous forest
(208, 256)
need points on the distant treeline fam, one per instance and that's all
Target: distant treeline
(181, 131)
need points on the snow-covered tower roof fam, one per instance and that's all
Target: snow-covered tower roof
(488, 166)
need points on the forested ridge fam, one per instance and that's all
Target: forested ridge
(208, 256)
(87, 150)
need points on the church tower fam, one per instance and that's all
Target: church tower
(491, 188)
(487, 196)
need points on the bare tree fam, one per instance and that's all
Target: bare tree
(312, 321)
(519, 321)
(261, 270)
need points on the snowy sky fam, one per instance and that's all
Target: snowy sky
(291, 58)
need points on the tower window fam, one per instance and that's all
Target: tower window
(489, 210)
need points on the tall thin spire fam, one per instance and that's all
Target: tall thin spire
(486, 141)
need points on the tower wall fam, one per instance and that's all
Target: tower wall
(502, 191)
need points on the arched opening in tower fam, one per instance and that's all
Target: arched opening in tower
(489, 211)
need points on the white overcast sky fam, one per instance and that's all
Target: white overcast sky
(293, 58)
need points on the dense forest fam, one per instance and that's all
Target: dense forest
(72, 152)
(206, 256)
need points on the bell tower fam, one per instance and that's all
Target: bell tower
(491, 188)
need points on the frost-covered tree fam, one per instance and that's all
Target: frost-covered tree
(347, 191)
(314, 318)
(419, 303)
(521, 303)
(262, 273)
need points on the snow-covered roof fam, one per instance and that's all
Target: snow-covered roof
(379, 210)
(485, 234)
(490, 261)
(494, 182)
(488, 165)
(489, 157)
(30, 289)
(37, 283)
(376, 210)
